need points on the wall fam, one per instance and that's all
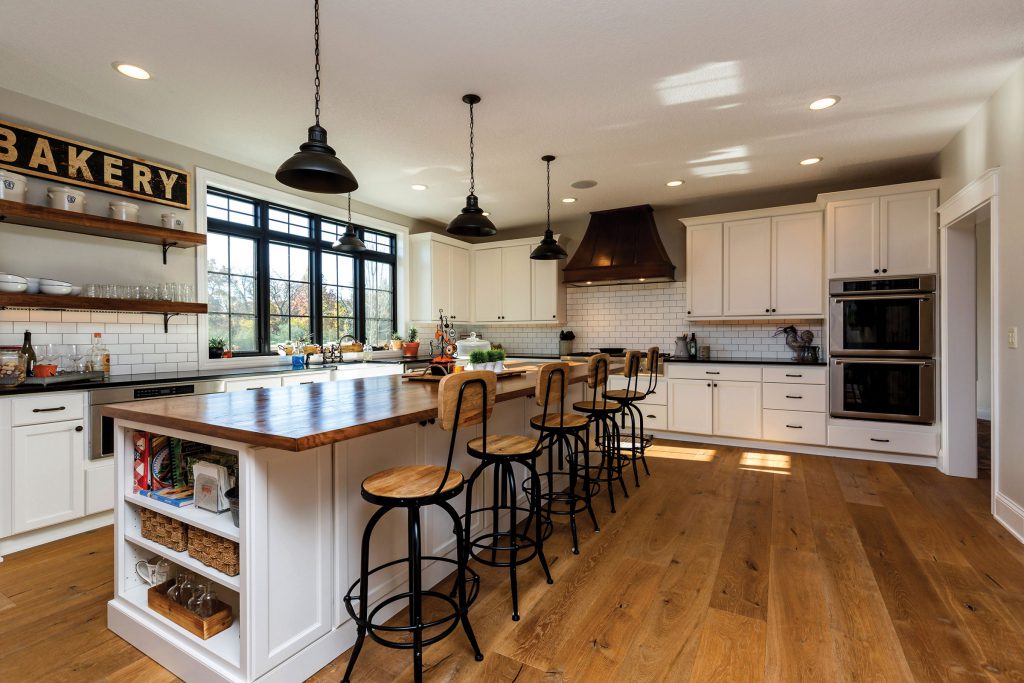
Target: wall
(994, 137)
(139, 344)
(640, 316)
(983, 292)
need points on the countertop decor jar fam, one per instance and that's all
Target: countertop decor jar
(13, 364)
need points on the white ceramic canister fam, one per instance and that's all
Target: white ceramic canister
(124, 211)
(67, 199)
(171, 221)
(13, 186)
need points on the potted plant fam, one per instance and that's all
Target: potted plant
(496, 359)
(396, 341)
(228, 353)
(412, 346)
(478, 360)
(217, 345)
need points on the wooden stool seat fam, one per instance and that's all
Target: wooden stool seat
(624, 395)
(597, 406)
(410, 482)
(554, 420)
(504, 444)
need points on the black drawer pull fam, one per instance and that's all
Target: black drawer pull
(254, 388)
(309, 382)
(48, 410)
(788, 396)
(795, 426)
(880, 440)
(712, 372)
(789, 375)
(79, 428)
(653, 417)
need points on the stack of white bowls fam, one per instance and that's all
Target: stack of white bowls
(12, 284)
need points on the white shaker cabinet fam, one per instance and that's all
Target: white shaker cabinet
(48, 474)
(516, 279)
(888, 234)
(737, 409)
(797, 282)
(503, 284)
(439, 272)
(748, 267)
(704, 270)
(544, 292)
(690, 408)
(487, 285)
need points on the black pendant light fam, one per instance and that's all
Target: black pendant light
(349, 241)
(315, 167)
(548, 249)
(471, 222)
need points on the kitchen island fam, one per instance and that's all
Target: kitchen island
(303, 452)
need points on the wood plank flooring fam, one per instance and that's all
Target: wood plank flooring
(726, 565)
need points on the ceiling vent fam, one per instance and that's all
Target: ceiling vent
(621, 246)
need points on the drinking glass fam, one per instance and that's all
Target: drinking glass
(89, 291)
(76, 352)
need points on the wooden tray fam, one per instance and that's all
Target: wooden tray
(187, 619)
(66, 378)
(419, 377)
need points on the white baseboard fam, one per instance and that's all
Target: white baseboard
(1009, 514)
(30, 539)
(753, 444)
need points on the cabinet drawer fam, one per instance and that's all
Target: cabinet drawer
(655, 416)
(659, 397)
(883, 439)
(46, 408)
(252, 383)
(796, 375)
(807, 397)
(729, 373)
(306, 378)
(794, 426)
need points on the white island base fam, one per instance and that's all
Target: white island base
(301, 524)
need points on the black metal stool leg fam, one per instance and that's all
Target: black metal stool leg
(643, 443)
(634, 453)
(462, 553)
(586, 481)
(416, 597)
(364, 585)
(617, 454)
(535, 512)
(505, 471)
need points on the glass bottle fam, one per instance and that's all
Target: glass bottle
(185, 588)
(208, 604)
(197, 598)
(29, 352)
(99, 355)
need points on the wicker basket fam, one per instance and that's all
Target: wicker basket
(214, 551)
(164, 530)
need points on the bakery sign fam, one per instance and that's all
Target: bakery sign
(50, 156)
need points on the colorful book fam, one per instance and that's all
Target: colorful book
(179, 496)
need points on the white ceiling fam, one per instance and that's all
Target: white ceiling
(630, 94)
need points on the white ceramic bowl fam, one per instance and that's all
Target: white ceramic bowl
(33, 285)
(17, 279)
(55, 289)
(75, 290)
(13, 287)
(48, 282)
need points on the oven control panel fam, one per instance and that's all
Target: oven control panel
(163, 392)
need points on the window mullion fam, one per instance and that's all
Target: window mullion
(263, 279)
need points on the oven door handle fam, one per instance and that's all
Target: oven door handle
(887, 297)
(883, 361)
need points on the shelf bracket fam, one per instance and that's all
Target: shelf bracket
(167, 317)
(168, 245)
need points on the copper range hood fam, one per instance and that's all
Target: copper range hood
(621, 246)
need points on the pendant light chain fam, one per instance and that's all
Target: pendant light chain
(472, 154)
(350, 209)
(316, 56)
(549, 195)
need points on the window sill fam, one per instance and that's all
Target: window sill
(243, 362)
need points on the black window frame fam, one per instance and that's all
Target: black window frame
(264, 236)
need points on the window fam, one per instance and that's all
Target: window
(273, 276)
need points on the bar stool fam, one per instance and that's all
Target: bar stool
(628, 398)
(462, 400)
(601, 415)
(565, 433)
(497, 453)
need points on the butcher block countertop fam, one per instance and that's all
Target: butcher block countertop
(297, 418)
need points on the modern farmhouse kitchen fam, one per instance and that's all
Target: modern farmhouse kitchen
(511, 342)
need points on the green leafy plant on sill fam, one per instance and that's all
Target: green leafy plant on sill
(413, 333)
(218, 343)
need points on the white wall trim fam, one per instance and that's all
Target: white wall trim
(969, 198)
(205, 178)
(860, 193)
(1009, 514)
(788, 210)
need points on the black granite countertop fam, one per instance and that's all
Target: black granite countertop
(741, 361)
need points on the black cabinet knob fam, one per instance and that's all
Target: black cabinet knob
(79, 428)
(688, 312)
(876, 270)
(885, 270)
(773, 310)
(767, 311)
(709, 384)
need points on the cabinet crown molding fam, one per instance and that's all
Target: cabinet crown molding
(769, 212)
(864, 192)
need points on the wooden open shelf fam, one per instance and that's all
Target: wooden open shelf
(99, 226)
(84, 303)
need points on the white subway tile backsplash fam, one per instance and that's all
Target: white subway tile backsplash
(108, 317)
(76, 317)
(640, 316)
(44, 316)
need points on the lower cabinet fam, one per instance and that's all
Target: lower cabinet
(48, 474)
(690, 402)
(99, 487)
(737, 409)
(252, 383)
(795, 426)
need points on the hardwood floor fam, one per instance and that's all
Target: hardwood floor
(726, 565)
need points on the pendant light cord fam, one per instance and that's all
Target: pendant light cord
(316, 56)
(349, 209)
(549, 196)
(472, 154)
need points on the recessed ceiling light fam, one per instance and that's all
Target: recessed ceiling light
(584, 184)
(589, 282)
(810, 162)
(674, 183)
(825, 102)
(568, 200)
(418, 187)
(131, 71)
(643, 279)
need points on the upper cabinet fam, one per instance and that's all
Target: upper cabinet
(491, 282)
(756, 266)
(890, 234)
(439, 272)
